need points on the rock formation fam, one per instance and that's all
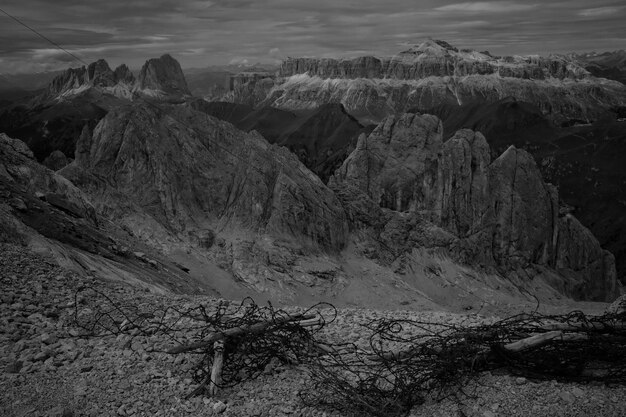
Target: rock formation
(97, 74)
(124, 75)
(464, 177)
(450, 196)
(190, 178)
(159, 77)
(397, 164)
(163, 75)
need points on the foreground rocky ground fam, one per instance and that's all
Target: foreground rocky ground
(48, 369)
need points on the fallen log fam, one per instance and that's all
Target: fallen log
(216, 370)
(542, 339)
(583, 327)
(235, 331)
(514, 347)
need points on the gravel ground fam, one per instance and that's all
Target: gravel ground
(47, 369)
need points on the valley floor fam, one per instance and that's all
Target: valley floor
(46, 369)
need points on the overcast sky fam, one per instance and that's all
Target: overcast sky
(200, 33)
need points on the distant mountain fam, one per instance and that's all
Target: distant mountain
(213, 83)
(611, 65)
(78, 98)
(432, 74)
(162, 76)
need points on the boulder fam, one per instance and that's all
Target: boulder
(56, 160)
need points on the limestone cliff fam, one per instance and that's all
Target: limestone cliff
(433, 74)
(439, 59)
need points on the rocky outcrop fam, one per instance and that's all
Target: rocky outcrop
(522, 212)
(71, 79)
(397, 164)
(164, 75)
(124, 75)
(464, 182)
(100, 74)
(18, 168)
(580, 258)
(450, 196)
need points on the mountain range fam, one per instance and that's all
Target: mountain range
(329, 178)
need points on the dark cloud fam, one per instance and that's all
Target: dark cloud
(206, 32)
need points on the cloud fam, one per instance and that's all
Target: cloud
(600, 11)
(239, 61)
(486, 7)
(200, 32)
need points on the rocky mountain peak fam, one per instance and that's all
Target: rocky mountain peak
(158, 77)
(163, 74)
(100, 74)
(431, 46)
(71, 79)
(124, 75)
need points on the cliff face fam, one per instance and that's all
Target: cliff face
(436, 59)
(451, 196)
(371, 100)
(434, 74)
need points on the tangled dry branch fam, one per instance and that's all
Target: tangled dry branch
(404, 361)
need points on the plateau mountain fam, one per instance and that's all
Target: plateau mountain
(431, 74)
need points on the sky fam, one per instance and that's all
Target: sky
(200, 33)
